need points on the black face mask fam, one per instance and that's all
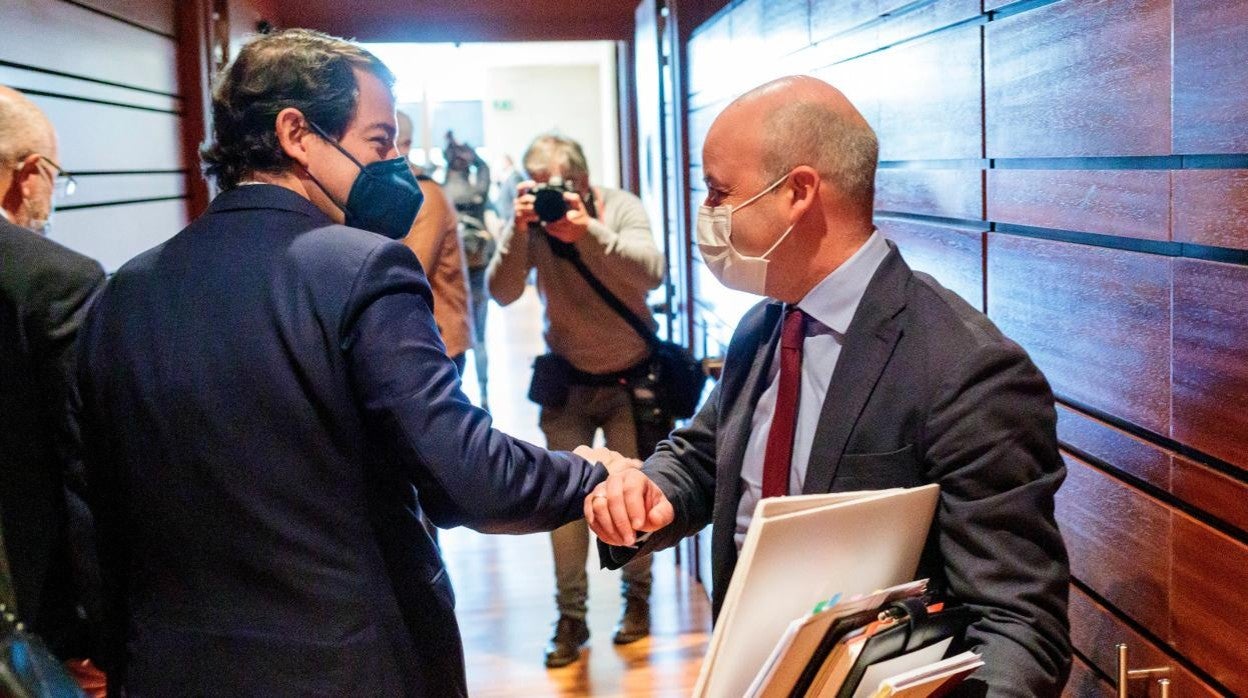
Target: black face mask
(385, 197)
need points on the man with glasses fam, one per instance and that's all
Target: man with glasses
(45, 290)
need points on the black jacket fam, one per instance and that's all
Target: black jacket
(928, 391)
(265, 396)
(45, 290)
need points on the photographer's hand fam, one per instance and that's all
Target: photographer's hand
(525, 215)
(575, 224)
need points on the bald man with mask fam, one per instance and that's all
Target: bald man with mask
(856, 373)
(45, 290)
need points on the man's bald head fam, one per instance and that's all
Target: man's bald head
(801, 120)
(23, 128)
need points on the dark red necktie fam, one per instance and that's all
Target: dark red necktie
(779, 455)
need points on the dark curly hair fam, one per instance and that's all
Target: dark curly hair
(298, 68)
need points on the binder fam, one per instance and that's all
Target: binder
(803, 548)
(931, 681)
(915, 637)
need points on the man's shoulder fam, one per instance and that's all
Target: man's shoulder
(33, 261)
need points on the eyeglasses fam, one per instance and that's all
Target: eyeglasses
(63, 183)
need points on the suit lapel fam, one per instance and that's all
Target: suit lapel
(869, 344)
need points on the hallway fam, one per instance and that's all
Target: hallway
(504, 585)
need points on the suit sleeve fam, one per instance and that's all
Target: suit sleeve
(466, 472)
(683, 467)
(993, 449)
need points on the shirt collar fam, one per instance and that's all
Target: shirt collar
(834, 300)
(6, 215)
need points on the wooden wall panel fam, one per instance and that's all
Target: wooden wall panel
(1212, 491)
(1211, 207)
(1130, 203)
(1210, 83)
(1210, 606)
(114, 234)
(1110, 445)
(1095, 320)
(952, 255)
(103, 137)
(932, 107)
(831, 17)
(157, 16)
(944, 193)
(710, 50)
(70, 39)
(28, 80)
(1119, 543)
(100, 189)
(786, 25)
(925, 18)
(858, 80)
(1085, 683)
(1080, 78)
(1210, 370)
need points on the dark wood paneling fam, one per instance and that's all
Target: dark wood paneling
(102, 137)
(952, 255)
(1210, 83)
(944, 193)
(926, 18)
(1210, 490)
(70, 39)
(1210, 371)
(114, 234)
(156, 15)
(1209, 603)
(1119, 543)
(1131, 203)
(1096, 321)
(1084, 683)
(786, 25)
(1080, 77)
(932, 108)
(1105, 443)
(829, 17)
(1211, 207)
(1096, 632)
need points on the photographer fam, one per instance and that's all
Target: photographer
(585, 383)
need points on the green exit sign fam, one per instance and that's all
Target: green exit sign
(503, 105)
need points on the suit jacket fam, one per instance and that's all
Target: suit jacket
(435, 240)
(266, 397)
(45, 290)
(926, 390)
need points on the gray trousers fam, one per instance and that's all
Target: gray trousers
(589, 409)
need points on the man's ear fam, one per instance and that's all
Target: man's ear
(27, 176)
(293, 134)
(803, 188)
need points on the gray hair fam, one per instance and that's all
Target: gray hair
(550, 151)
(843, 150)
(23, 127)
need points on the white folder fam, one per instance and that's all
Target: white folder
(799, 550)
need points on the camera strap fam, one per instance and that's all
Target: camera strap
(568, 251)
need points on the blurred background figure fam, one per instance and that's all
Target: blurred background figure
(468, 186)
(435, 240)
(505, 188)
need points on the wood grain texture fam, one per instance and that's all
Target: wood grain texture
(1096, 632)
(952, 255)
(1096, 439)
(932, 107)
(1209, 604)
(1131, 203)
(1084, 683)
(1080, 78)
(944, 193)
(1210, 370)
(1119, 543)
(1211, 207)
(831, 17)
(1214, 492)
(925, 18)
(74, 40)
(157, 15)
(1210, 83)
(1095, 320)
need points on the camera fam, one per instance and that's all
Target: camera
(549, 203)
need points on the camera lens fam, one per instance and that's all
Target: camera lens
(549, 204)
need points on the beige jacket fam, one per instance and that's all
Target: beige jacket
(435, 240)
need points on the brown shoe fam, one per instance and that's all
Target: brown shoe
(634, 623)
(565, 647)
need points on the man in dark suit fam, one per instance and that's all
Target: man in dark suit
(860, 374)
(266, 400)
(45, 290)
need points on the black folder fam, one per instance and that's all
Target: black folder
(916, 628)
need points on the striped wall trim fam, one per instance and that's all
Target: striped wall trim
(119, 18)
(106, 102)
(122, 202)
(98, 81)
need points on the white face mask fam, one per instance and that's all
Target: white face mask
(733, 269)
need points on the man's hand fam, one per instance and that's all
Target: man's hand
(523, 205)
(627, 502)
(614, 462)
(575, 223)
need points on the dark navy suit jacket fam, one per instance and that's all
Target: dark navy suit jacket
(265, 397)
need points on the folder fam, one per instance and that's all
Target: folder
(799, 549)
(930, 681)
(921, 639)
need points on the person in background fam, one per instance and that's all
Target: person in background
(508, 181)
(609, 230)
(857, 373)
(467, 184)
(435, 240)
(45, 291)
(266, 399)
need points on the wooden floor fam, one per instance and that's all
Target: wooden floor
(505, 584)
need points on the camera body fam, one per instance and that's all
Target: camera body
(549, 203)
